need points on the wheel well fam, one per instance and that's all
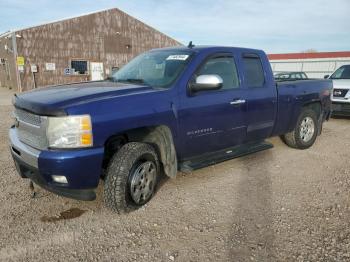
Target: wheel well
(112, 145)
(158, 136)
(315, 106)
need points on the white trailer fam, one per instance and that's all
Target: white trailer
(315, 65)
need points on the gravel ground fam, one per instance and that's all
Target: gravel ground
(277, 205)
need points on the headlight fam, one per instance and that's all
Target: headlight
(69, 132)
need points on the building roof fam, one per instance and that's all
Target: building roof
(198, 48)
(9, 32)
(5, 33)
(57, 21)
(309, 55)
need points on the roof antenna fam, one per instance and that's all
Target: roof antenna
(190, 45)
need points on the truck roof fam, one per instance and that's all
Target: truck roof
(201, 48)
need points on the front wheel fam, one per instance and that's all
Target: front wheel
(304, 134)
(131, 178)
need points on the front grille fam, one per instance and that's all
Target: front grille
(340, 92)
(31, 129)
(27, 117)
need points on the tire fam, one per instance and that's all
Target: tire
(132, 177)
(305, 132)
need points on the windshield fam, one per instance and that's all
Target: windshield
(156, 68)
(342, 72)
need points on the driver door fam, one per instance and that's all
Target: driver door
(213, 120)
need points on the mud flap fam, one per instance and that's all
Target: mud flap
(320, 121)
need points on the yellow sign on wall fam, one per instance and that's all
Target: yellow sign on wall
(20, 60)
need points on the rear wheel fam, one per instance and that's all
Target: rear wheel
(132, 176)
(305, 132)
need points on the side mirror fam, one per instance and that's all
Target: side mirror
(326, 76)
(207, 82)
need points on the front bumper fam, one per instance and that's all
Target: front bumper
(340, 109)
(81, 167)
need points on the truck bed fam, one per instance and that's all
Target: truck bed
(292, 95)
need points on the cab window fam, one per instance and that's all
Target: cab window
(225, 67)
(253, 71)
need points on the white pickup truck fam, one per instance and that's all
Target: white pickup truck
(341, 90)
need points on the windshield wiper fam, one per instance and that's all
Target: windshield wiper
(132, 80)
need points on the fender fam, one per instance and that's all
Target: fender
(162, 138)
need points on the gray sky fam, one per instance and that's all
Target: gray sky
(272, 25)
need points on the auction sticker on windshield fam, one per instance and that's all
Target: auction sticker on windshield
(177, 57)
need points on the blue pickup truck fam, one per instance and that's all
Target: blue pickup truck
(168, 109)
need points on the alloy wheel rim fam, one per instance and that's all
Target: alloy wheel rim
(143, 182)
(307, 129)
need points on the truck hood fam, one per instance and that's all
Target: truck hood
(341, 83)
(54, 100)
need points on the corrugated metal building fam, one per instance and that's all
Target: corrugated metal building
(315, 65)
(78, 49)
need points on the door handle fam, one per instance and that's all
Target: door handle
(237, 102)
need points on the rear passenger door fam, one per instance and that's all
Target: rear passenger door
(262, 96)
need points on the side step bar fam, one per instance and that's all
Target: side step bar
(212, 158)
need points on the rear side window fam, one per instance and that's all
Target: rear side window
(253, 71)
